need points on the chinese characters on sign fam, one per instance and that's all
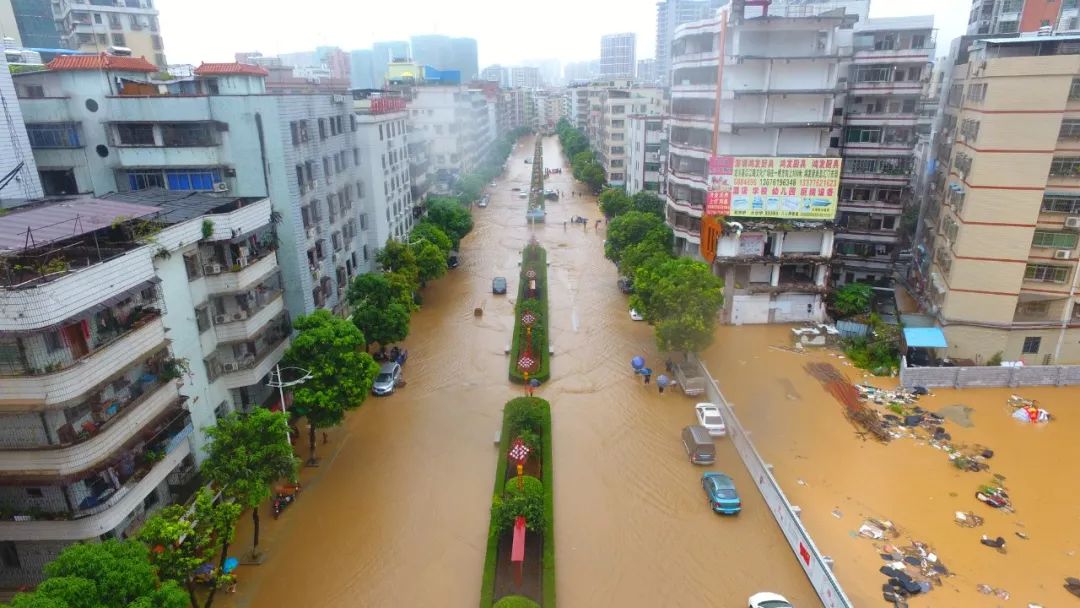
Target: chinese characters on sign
(782, 187)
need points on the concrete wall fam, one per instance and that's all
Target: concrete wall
(14, 145)
(964, 377)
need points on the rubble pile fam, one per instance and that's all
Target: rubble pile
(912, 569)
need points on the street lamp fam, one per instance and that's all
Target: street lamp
(276, 380)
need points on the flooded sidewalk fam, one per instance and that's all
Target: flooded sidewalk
(839, 479)
(398, 513)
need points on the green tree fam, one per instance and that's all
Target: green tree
(246, 454)
(380, 309)
(182, 539)
(527, 501)
(334, 351)
(110, 574)
(649, 202)
(451, 217)
(593, 175)
(681, 297)
(398, 257)
(430, 261)
(630, 228)
(852, 299)
(614, 202)
(654, 248)
(428, 231)
(470, 188)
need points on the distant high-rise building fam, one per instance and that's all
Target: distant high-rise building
(446, 53)
(671, 14)
(362, 70)
(382, 53)
(1012, 16)
(525, 77)
(36, 24)
(550, 70)
(646, 70)
(497, 73)
(617, 55)
(131, 25)
(581, 70)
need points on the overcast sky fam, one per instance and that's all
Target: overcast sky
(567, 30)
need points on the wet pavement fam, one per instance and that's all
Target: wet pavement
(397, 514)
(823, 466)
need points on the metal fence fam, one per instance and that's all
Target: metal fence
(988, 376)
(812, 561)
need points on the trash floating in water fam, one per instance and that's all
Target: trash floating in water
(967, 519)
(994, 495)
(1028, 410)
(837, 514)
(912, 569)
(996, 591)
(877, 529)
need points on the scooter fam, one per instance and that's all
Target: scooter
(284, 496)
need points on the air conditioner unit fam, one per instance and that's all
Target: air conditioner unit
(231, 366)
(221, 187)
(219, 319)
(212, 269)
(243, 250)
(1063, 254)
(1072, 222)
(239, 316)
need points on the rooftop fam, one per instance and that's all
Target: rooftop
(178, 206)
(880, 24)
(102, 61)
(38, 225)
(230, 69)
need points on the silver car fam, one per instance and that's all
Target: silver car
(388, 378)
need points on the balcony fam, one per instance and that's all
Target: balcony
(92, 522)
(251, 369)
(243, 275)
(54, 389)
(98, 445)
(243, 324)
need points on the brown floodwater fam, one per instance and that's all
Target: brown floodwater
(397, 514)
(823, 466)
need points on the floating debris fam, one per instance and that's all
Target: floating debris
(967, 519)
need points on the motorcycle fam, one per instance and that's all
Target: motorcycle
(284, 496)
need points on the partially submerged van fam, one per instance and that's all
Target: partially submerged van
(699, 444)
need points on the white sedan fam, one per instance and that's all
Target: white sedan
(769, 600)
(635, 315)
(709, 416)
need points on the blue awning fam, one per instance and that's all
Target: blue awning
(924, 337)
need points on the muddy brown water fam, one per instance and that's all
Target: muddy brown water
(823, 466)
(397, 514)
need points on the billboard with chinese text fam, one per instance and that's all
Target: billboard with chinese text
(773, 187)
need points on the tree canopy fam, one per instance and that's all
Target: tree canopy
(633, 227)
(397, 257)
(649, 202)
(428, 231)
(614, 202)
(430, 261)
(852, 299)
(110, 574)
(453, 219)
(681, 298)
(334, 351)
(380, 308)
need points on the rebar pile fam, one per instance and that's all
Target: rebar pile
(848, 395)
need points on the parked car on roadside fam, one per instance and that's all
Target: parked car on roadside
(635, 315)
(498, 286)
(721, 492)
(699, 444)
(388, 379)
(767, 599)
(709, 416)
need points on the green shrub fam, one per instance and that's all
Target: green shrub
(524, 414)
(533, 258)
(526, 501)
(516, 601)
(532, 441)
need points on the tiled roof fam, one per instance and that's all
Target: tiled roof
(101, 62)
(246, 69)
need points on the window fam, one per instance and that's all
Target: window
(1046, 273)
(53, 341)
(322, 128)
(184, 134)
(977, 92)
(202, 318)
(1068, 166)
(356, 156)
(53, 135)
(969, 128)
(1070, 129)
(118, 40)
(352, 122)
(300, 181)
(1054, 240)
(135, 134)
(1031, 345)
(103, 39)
(192, 266)
(1074, 89)
(155, 41)
(9, 555)
(174, 179)
(956, 93)
(1053, 203)
(863, 135)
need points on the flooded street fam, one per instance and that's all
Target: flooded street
(397, 514)
(823, 466)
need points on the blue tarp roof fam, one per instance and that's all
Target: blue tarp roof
(924, 337)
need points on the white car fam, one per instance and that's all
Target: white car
(635, 315)
(709, 416)
(769, 600)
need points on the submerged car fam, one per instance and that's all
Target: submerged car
(709, 416)
(766, 599)
(626, 285)
(721, 492)
(388, 379)
(635, 315)
(498, 286)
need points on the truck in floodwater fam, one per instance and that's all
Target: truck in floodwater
(689, 377)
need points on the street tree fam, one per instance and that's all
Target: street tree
(181, 539)
(428, 231)
(593, 175)
(334, 351)
(654, 248)
(614, 202)
(630, 228)
(681, 298)
(648, 202)
(380, 308)
(451, 217)
(247, 453)
(110, 574)
(430, 261)
(396, 256)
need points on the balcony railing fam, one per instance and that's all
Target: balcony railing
(240, 276)
(244, 324)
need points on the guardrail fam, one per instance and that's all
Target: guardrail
(813, 563)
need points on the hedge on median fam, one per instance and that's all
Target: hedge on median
(534, 258)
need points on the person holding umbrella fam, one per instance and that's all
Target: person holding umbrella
(662, 382)
(647, 372)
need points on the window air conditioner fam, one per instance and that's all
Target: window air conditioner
(1072, 222)
(219, 319)
(231, 366)
(1063, 254)
(221, 187)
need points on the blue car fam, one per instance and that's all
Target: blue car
(721, 492)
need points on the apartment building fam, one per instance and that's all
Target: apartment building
(669, 15)
(882, 123)
(777, 98)
(646, 153)
(457, 123)
(97, 26)
(550, 108)
(446, 53)
(516, 108)
(997, 260)
(1021, 16)
(618, 55)
(217, 130)
(18, 172)
(381, 136)
(608, 123)
(131, 323)
(497, 73)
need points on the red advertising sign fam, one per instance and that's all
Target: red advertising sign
(385, 105)
(718, 202)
